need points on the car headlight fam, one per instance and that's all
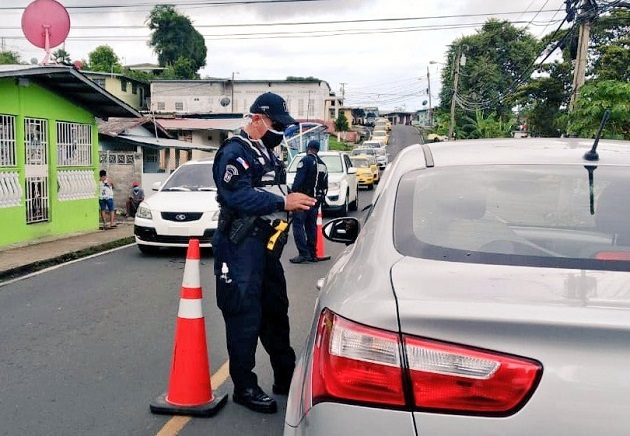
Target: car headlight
(144, 212)
(332, 186)
(215, 216)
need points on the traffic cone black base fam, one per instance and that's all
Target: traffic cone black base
(320, 259)
(162, 407)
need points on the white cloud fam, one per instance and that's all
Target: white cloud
(385, 64)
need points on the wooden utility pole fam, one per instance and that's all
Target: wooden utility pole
(451, 126)
(581, 59)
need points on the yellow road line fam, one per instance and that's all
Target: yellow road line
(174, 425)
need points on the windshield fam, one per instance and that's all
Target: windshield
(195, 177)
(518, 215)
(332, 161)
(357, 151)
(360, 163)
(379, 134)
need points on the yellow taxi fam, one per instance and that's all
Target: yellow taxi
(365, 175)
(380, 136)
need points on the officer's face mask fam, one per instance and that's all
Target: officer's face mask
(272, 138)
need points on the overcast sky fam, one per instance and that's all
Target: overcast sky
(378, 51)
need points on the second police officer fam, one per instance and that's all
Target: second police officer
(250, 282)
(311, 178)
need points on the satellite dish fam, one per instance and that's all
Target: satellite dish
(225, 101)
(45, 24)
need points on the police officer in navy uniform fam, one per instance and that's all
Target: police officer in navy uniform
(250, 282)
(311, 178)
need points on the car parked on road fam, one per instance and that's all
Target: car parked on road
(184, 206)
(372, 144)
(486, 293)
(380, 136)
(365, 175)
(343, 189)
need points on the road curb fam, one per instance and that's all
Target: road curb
(39, 265)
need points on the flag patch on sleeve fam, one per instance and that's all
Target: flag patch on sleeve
(243, 163)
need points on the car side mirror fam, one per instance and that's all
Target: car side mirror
(352, 170)
(344, 230)
(156, 186)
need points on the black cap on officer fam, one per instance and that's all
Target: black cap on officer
(313, 144)
(274, 107)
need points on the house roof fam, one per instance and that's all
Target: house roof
(117, 126)
(74, 86)
(201, 124)
(151, 141)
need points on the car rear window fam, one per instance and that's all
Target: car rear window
(544, 215)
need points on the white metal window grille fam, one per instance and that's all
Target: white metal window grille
(36, 199)
(151, 155)
(179, 106)
(161, 105)
(36, 141)
(74, 144)
(7, 141)
(10, 190)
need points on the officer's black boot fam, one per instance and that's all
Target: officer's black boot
(255, 399)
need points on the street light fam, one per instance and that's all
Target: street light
(232, 99)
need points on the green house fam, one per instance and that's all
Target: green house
(49, 151)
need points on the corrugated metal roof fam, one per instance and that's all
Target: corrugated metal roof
(166, 143)
(201, 124)
(70, 84)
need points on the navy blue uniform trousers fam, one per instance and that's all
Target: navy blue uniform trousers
(305, 231)
(253, 300)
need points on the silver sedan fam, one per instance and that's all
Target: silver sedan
(487, 292)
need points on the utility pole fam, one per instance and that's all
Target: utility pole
(581, 59)
(343, 96)
(451, 126)
(232, 99)
(429, 92)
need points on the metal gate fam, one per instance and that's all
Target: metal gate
(36, 170)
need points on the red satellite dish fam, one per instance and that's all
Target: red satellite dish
(45, 24)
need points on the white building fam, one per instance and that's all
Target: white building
(307, 100)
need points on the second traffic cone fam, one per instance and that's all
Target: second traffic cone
(189, 387)
(319, 246)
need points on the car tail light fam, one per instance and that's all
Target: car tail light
(466, 380)
(356, 363)
(613, 255)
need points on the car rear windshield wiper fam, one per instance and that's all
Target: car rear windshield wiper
(176, 188)
(207, 188)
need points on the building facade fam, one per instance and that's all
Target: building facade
(49, 151)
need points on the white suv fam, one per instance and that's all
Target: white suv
(184, 207)
(343, 192)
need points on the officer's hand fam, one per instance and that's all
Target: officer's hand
(298, 201)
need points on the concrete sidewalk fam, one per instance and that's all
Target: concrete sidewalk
(20, 260)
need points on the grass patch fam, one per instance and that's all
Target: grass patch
(335, 144)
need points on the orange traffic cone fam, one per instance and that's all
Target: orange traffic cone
(319, 246)
(189, 388)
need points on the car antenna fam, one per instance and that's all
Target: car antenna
(592, 153)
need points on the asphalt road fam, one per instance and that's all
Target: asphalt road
(84, 348)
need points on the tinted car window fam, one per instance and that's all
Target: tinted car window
(191, 178)
(359, 162)
(519, 215)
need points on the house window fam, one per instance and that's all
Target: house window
(36, 199)
(74, 144)
(7, 141)
(100, 82)
(300, 108)
(134, 88)
(36, 141)
(179, 106)
(161, 105)
(123, 85)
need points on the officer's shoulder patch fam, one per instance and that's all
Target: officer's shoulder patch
(300, 164)
(230, 171)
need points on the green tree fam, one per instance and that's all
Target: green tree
(497, 56)
(490, 126)
(182, 68)
(61, 56)
(341, 123)
(103, 58)
(610, 47)
(174, 37)
(595, 98)
(9, 57)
